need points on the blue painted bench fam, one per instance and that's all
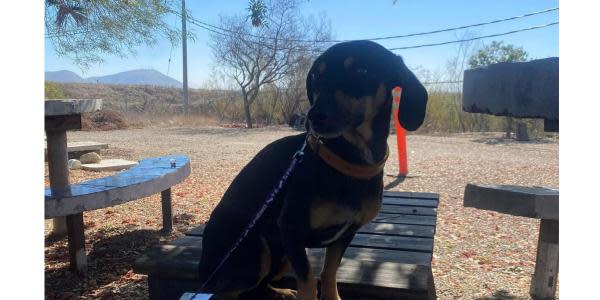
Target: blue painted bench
(389, 258)
(150, 176)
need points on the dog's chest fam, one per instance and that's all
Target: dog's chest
(331, 218)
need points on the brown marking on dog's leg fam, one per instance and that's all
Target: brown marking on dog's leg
(369, 209)
(279, 294)
(307, 290)
(325, 214)
(333, 257)
(285, 267)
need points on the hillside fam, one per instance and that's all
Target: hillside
(63, 76)
(144, 98)
(132, 77)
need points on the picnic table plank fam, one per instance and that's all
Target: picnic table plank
(150, 176)
(408, 210)
(417, 195)
(410, 202)
(426, 231)
(404, 219)
(181, 257)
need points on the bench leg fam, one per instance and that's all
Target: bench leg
(543, 284)
(59, 226)
(76, 237)
(167, 213)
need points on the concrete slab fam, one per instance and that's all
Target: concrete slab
(532, 202)
(109, 165)
(520, 89)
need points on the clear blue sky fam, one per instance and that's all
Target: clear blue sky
(354, 19)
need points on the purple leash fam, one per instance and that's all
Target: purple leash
(296, 159)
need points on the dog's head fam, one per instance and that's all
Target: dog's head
(351, 83)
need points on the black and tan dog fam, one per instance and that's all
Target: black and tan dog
(335, 190)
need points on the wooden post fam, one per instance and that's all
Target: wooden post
(76, 236)
(543, 283)
(167, 214)
(184, 49)
(58, 173)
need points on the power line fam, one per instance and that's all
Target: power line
(405, 47)
(466, 26)
(472, 39)
(373, 38)
(441, 82)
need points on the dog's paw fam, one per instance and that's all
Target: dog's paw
(334, 297)
(282, 294)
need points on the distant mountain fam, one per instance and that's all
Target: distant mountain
(63, 76)
(136, 77)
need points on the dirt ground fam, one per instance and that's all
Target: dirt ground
(478, 254)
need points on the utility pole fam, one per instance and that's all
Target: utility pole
(184, 44)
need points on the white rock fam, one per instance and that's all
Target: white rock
(74, 164)
(90, 158)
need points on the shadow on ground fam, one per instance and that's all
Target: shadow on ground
(505, 141)
(394, 183)
(221, 131)
(499, 295)
(110, 259)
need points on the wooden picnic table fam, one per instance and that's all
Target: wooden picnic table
(521, 90)
(60, 116)
(150, 176)
(532, 202)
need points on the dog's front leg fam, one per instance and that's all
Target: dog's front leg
(293, 245)
(333, 257)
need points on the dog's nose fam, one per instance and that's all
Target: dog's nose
(315, 116)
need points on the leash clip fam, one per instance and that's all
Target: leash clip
(299, 155)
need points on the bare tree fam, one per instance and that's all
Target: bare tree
(255, 56)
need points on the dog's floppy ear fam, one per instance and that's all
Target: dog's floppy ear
(413, 100)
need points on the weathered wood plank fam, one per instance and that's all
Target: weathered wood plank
(149, 177)
(57, 107)
(392, 242)
(410, 201)
(518, 89)
(58, 173)
(62, 123)
(532, 202)
(420, 195)
(404, 219)
(408, 210)
(181, 257)
(167, 214)
(543, 283)
(426, 231)
(76, 237)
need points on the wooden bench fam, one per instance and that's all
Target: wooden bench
(389, 258)
(532, 202)
(76, 149)
(150, 176)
